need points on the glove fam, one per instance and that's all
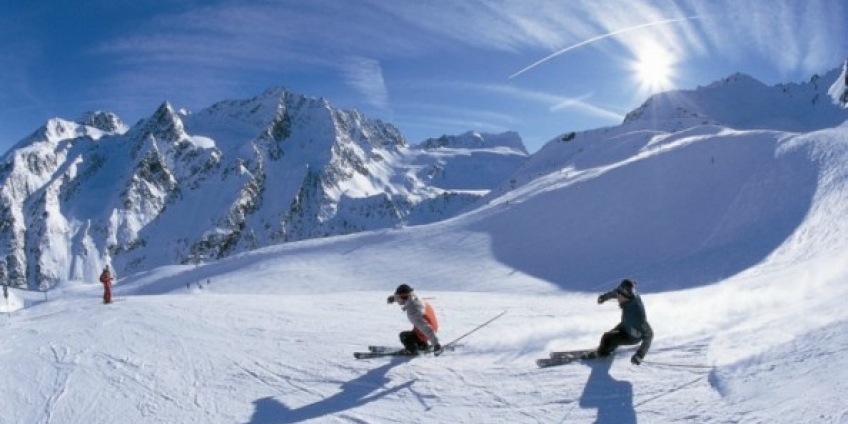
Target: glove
(391, 299)
(437, 349)
(636, 359)
(600, 299)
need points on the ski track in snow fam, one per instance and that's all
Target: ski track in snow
(275, 362)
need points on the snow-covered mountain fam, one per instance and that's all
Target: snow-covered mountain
(737, 238)
(741, 102)
(178, 187)
(737, 102)
(280, 167)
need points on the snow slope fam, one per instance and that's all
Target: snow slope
(737, 238)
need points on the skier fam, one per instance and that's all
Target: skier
(106, 279)
(632, 329)
(423, 318)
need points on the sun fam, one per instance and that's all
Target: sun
(654, 69)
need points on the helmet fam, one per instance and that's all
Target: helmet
(626, 288)
(403, 289)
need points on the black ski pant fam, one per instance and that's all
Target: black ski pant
(411, 341)
(612, 339)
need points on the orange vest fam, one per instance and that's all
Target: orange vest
(430, 317)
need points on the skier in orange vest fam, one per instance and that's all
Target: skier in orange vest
(106, 279)
(423, 318)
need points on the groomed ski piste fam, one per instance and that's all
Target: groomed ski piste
(738, 240)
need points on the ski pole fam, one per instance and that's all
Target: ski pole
(475, 329)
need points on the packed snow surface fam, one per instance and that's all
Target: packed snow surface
(737, 239)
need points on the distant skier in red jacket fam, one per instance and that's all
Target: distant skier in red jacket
(106, 279)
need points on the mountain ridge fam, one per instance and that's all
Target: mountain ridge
(240, 174)
(281, 167)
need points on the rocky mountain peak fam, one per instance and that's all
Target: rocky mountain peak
(107, 122)
(839, 90)
(165, 124)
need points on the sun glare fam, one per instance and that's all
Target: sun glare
(654, 70)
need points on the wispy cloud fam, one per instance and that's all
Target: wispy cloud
(473, 114)
(598, 38)
(288, 33)
(553, 102)
(436, 119)
(791, 35)
(441, 124)
(267, 34)
(275, 35)
(206, 51)
(366, 76)
(505, 25)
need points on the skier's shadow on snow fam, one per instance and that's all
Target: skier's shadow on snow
(612, 398)
(352, 394)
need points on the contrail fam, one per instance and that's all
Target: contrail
(600, 37)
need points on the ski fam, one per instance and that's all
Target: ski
(573, 354)
(382, 349)
(386, 349)
(566, 357)
(370, 355)
(548, 362)
(375, 351)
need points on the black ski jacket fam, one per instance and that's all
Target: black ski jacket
(634, 321)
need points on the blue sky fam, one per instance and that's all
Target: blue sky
(434, 67)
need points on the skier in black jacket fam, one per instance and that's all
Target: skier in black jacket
(633, 328)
